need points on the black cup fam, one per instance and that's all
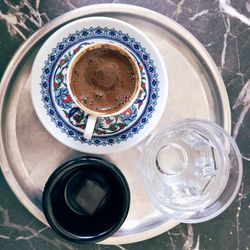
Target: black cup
(86, 200)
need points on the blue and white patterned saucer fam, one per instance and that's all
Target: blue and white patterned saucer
(59, 114)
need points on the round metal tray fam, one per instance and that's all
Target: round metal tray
(29, 153)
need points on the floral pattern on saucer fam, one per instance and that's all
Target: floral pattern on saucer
(70, 118)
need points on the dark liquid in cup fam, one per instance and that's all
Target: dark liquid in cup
(103, 80)
(98, 200)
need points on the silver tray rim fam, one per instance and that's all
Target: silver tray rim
(85, 12)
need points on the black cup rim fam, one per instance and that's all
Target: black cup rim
(66, 169)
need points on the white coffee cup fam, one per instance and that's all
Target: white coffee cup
(93, 114)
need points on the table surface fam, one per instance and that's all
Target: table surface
(223, 27)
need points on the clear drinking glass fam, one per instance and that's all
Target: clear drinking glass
(192, 170)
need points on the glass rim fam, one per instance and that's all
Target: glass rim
(196, 216)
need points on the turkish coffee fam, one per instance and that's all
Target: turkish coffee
(104, 79)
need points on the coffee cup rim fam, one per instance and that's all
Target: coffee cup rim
(100, 45)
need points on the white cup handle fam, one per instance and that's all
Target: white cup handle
(90, 125)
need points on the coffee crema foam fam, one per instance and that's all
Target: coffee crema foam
(103, 80)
